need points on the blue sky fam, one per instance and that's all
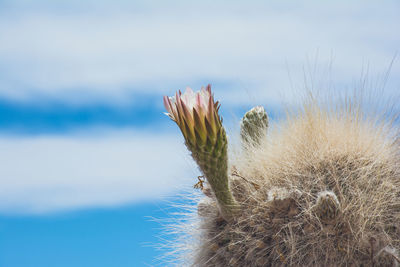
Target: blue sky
(87, 155)
(123, 236)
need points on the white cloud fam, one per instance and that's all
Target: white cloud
(82, 51)
(43, 174)
(106, 50)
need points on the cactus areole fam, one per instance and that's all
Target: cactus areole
(322, 189)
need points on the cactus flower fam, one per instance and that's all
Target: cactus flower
(197, 116)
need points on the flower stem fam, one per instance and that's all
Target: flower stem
(213, 162)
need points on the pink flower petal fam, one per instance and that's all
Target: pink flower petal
(167, 104)
(195, 113)
(209, 88)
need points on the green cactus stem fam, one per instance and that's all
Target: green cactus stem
(254, 125)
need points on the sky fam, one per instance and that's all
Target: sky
(88, 157)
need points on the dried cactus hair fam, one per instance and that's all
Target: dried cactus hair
(321, 188)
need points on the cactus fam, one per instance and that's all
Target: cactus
(322, 189)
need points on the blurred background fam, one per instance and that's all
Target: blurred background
(87, 158)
